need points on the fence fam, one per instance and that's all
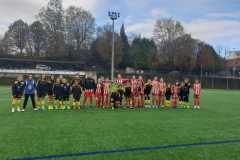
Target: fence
(8, 75)
(208, 82)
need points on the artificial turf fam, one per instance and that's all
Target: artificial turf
(34, 134)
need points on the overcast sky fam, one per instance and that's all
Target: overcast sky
(214, 21)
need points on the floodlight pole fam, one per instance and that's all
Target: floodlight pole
(113, 16)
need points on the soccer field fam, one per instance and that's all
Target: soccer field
(162, 134)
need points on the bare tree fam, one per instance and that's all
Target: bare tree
(52, 18)
(16, 37)
(38, 38)
(7, 43)
(1, 47)
(80, 27)
(167, 29)
(102, 45)
(165, 32)
(185, 56)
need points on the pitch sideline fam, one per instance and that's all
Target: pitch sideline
(140, 149)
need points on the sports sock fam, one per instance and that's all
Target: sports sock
(38, 103)
(57, 104)
(78, 105)
(67, 105)
(62, 105)
(50, 104)
(18, 104)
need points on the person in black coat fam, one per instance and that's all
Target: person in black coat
(89, 90)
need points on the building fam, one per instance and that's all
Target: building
(234, 54)
(233, 62)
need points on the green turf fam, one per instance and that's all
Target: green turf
(60, 132)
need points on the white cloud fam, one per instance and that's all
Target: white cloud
(128, 20)
(158, 12)
(90, 5)
(11, 10)
(137, 4)
(224, 14)
(146, 27)
(214, 30)
(143, 28)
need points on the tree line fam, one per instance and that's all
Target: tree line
(72, 34)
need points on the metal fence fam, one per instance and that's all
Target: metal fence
(208, 82)
(7, 76)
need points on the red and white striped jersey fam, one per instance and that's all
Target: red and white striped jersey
(175, 90)
(134, 84)
(140, 85)
(99, 88)
(197, 89)
(155, 87)
(119, 81)
(162, 86)
(155, 84)
(106, 88)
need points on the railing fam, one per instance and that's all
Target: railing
(32, 71)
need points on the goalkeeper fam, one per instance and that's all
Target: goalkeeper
(115, 95)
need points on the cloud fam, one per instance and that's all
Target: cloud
(158, 12)
(207, 20)
(214, 30)
(11, 10)
(136, 4)
(128, 19)
(90, 5)
(144, 28)
(221, 15)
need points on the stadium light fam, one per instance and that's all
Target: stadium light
(113, 16)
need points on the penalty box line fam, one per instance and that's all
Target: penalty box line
(140, 149)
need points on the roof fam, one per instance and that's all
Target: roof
(234, 55)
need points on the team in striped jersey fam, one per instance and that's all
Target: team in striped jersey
(197, 93)
(129, 92)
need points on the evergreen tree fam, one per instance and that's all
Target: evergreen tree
(125, 48)
(142, 53)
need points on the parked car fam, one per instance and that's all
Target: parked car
(43, 67)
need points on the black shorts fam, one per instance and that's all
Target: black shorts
(127, 94)
(77, 97)
(168, 98)
(50, 93)
(41, 94)
(185, 99)
(58, 97)
(17, 96)
(66, 98)
(180, 98)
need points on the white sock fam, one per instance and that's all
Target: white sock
(13, 110)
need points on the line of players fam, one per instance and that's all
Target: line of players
(137, 94)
